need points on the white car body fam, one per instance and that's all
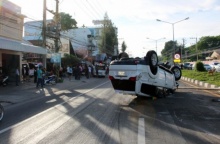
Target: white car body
(137, 79)
(100, 69)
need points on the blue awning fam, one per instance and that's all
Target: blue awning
(14, 45)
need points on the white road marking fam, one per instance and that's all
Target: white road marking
(18, 124)
(141, 131)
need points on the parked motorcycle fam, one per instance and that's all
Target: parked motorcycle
(3, 80)
(1, 112)
(50, 80)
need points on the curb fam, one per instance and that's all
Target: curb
(200, 83)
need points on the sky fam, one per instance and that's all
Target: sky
(136, 19)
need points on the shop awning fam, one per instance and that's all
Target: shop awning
(13, 45)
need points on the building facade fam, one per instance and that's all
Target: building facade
(12, 46)
(82, 41)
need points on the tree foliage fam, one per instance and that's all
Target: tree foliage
(67, 22)
(123, 46)
(70, 60)
(108, 37)
(168, 51)
(203, 44)
(199, 66)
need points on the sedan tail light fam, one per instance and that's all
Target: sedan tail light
(132, 78)
(111, 77)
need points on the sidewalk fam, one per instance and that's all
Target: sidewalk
(12, 94)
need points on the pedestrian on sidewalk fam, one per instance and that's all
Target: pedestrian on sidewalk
(86, 71)
(27, 74)
(69, 72)
(39, 77)
(17, 74)
(90, 71)
(35, 74)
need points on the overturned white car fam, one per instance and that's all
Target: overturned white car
(143, 77)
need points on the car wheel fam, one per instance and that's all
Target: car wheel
(152, 58)
(177, 72)
(152, 61)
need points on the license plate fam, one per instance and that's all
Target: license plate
(121, 73)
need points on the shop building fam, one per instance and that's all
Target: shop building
(12, 46)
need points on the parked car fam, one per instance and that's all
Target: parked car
(207, 67)
(217, 68)
(214, 65)
(187, 65)
(193, 66)
(99, 70)
(143, 76)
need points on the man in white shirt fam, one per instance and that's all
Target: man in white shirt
(69, 72)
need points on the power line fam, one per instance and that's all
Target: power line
(93, 8)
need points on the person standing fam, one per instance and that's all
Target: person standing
(90, 71)
(27, 73)
(35, 75)
(39, 77)
(86, 71)
(96, 70)
(17, 74)
(80, 70)
(69, 72)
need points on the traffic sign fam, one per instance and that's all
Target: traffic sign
(177, 56)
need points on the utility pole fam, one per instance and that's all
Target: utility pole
(57, 21)
(44, 25)
(181, 51)
(44, 32)
(56, 24)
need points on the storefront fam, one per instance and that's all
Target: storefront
(12, 52)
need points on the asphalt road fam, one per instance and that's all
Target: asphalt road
(93, 113)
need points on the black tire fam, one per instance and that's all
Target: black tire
(1, 112)
(152, 61)
(177, 72)
(152, 58)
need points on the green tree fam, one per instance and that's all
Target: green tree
(108, 37)
(203, 44)
(168, 51)
(123, 46)
(70, 60)
(67, 22)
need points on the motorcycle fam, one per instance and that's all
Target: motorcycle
(1, 112)
(3, 80)
(50, 80)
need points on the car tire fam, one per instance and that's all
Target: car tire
(152, 60)
(177, 72)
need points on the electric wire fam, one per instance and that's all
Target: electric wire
(93, 8)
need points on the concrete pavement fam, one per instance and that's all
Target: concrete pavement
(12, 94)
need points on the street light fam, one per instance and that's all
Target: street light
(156, 41)
(173, 28)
